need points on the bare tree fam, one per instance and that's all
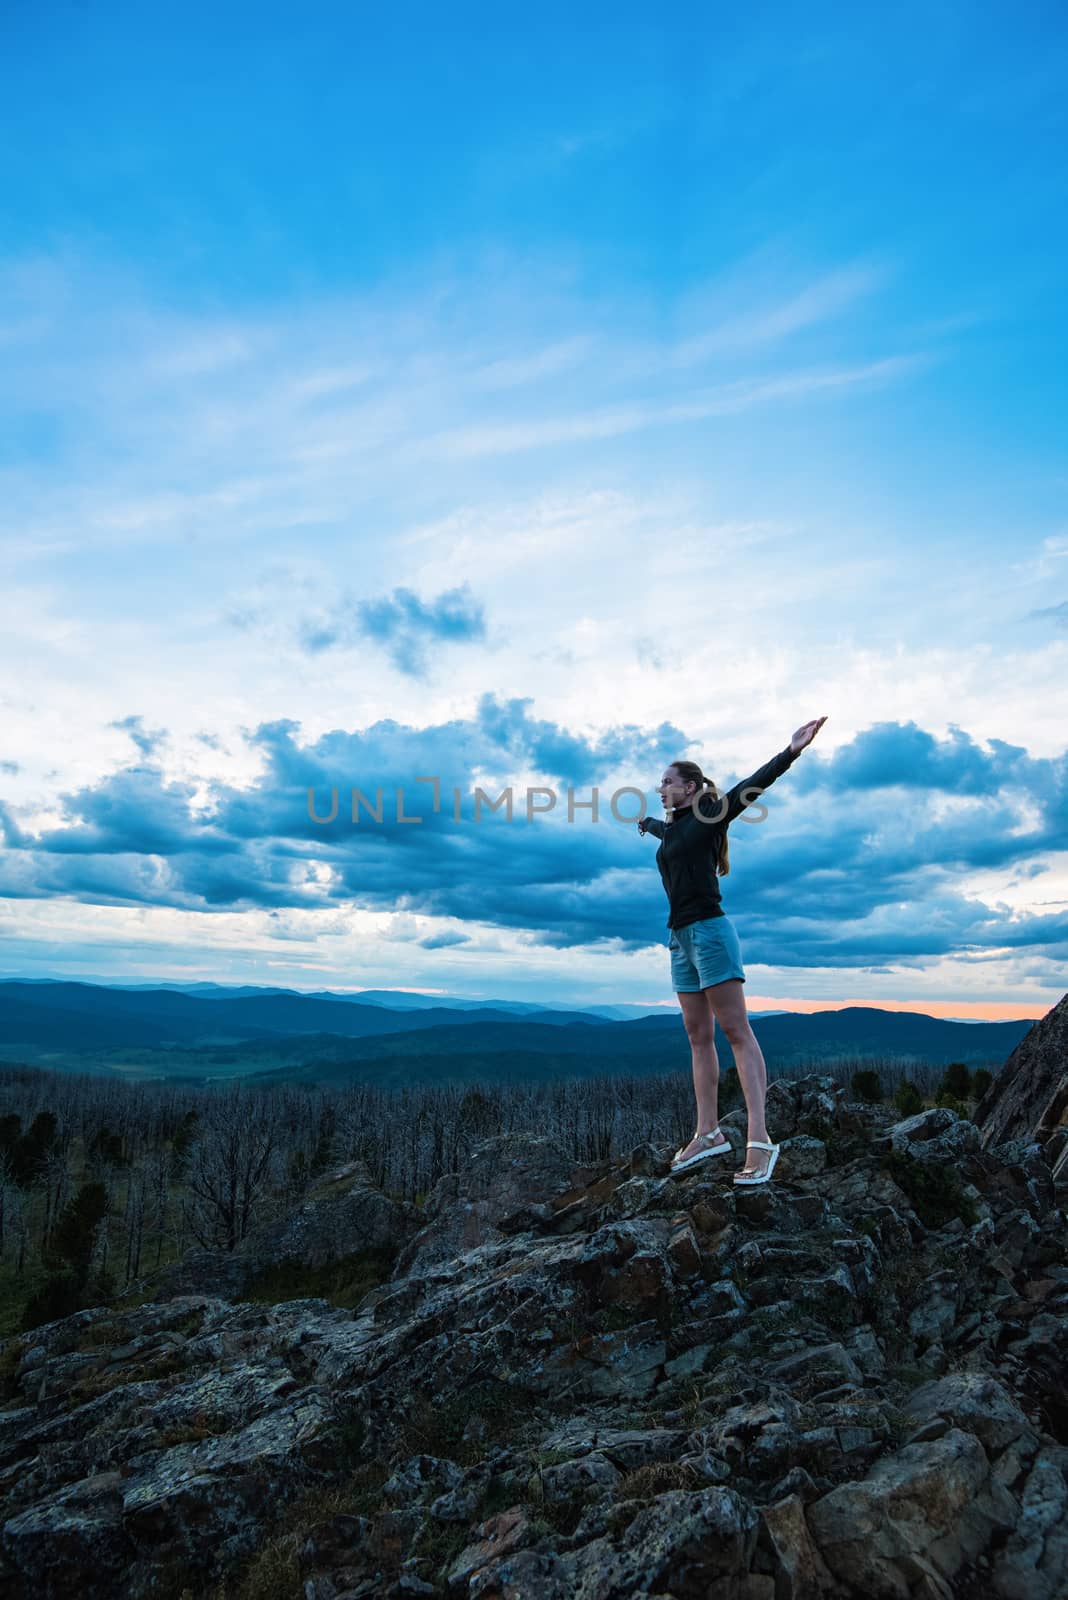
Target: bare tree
(7, 1185)
(229, 1168)
(54, 1178)
(20, 1228)
(135, 1224)
(160, 1174)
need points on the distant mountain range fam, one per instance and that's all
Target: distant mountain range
(396, 999)
(215, 1031)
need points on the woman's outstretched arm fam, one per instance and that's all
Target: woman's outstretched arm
(743, 794)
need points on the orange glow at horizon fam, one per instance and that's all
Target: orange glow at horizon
(980, 1010)
(969, 1010)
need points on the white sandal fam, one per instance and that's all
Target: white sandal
(758, 1177)
(709, 1149)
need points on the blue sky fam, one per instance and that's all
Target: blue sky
(529, 400)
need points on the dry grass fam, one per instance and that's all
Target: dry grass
(658, 1477)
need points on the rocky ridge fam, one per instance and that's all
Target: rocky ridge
(587, 1384)
(1030, 1093)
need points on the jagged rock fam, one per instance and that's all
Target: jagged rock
(683, 1249)
(515, 1577)
(1024, 1171)
(594, 1470)
(934, 1138)
(210, 1272)
(917, 1518)
(343, 1215)
(802, 1156)
(494, 1539)
(936, 1311)
(684, 1543)
(796, 1482)
(1031, 1090)
(929, 1124)
(828, 1361)
(1033, 1562)
(977, 1403)
(465, 1209)
(627, 1448)
(800, 1571)
(336, 1543)
(781, 1108)
(414, 1479)
(74, 1543)
(346, 1213)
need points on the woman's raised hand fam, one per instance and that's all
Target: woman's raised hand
(807, 733)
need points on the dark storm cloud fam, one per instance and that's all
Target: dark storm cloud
(894, 754)
(863, 860)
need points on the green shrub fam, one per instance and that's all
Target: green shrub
(439, 1544)
(60, 1296)
(28, 1152)
(907, 1098)
(343, 1283)
(956, 1081)
(182, 1143)
(10, 1360)
(935, 1193)
(105, 1148)
(342, 1441)
(564, 1515)
(439, 1427)
(865, 1086)
(74, 1235)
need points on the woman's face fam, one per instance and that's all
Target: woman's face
(673, 792)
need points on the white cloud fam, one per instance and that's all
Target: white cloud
(809, 306)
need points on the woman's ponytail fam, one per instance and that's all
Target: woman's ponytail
(690, 772)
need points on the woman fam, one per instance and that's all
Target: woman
(706, 961)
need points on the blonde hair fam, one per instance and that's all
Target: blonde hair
(690, 772)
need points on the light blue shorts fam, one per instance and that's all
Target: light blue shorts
(704, 953)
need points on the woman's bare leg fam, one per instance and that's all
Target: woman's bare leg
(700, 1024)
(727, 1004)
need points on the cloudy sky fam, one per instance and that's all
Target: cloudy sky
(526, 404)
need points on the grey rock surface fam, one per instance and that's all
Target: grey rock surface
(597, 1382)
(1029, 1096)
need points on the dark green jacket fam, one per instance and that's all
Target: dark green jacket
(689, 846)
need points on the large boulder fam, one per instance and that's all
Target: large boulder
(916, 1519)
(345, 1213)
(507, 1175)
(1030, 1093)
(697, 1543)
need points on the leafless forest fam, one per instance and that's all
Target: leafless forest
(103, 1179)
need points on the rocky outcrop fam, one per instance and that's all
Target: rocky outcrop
(344, 1214)
(511, 1183)
(1029, 1096)
(593, 1384)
